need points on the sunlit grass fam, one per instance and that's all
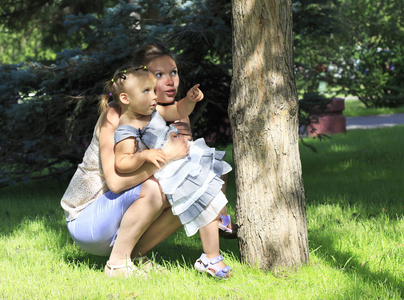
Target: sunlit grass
(354, 108)
(355, 207)
(354, 199)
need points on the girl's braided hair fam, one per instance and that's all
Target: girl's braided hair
(118, 84)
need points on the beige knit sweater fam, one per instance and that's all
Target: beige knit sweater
(88, 182)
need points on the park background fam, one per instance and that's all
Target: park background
(55, 57)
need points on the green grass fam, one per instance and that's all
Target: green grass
(355, 204)
(355, 212)
(354, 108)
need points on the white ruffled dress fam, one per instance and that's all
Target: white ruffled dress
(192, 184)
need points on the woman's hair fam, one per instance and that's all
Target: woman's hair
(145, 54)
(140, 57)
(118, 84)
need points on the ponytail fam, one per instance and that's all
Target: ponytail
(117, 85)
(104, 103)
(105, 99)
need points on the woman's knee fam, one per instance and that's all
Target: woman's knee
(151, 191)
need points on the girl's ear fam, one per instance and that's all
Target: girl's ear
(123, 97)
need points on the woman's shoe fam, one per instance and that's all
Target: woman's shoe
(208, 265)
(125, 270)
(149, 266)
(225, 231)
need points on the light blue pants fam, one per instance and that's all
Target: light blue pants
(96, 227)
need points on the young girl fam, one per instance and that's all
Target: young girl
(162, 63)
(192, 185)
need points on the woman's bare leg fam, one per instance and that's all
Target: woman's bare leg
(165, 225)
(136, 220)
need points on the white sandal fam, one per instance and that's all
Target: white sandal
(209, 265)
(131, 270)
(149, 266)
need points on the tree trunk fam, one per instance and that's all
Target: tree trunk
(263, 111)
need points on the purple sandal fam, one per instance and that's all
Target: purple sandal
(208, 265)
(224, 231)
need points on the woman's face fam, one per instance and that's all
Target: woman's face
(166, 71)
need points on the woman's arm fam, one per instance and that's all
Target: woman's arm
(108, 123)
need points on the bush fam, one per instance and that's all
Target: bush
(375, 76)
(48, 111)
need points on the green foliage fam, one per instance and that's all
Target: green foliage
(16, 47)
(372, 55)
(33, 30)
(359, 51)
(48, 111)
(314, 24)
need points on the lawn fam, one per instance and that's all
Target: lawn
(355, 108)
(355, 213)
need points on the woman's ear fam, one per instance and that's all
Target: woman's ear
(123, 97)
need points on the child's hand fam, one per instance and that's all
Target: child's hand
(195, 94)
(155, 157)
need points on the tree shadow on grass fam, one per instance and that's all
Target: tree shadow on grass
(176, 249)
(39, 202)
(348, 263)
(363, 165)
(359, 172)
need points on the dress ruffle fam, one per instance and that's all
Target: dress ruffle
(193, 188)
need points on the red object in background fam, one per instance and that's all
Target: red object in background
(331, 121)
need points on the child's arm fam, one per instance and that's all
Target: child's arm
(126, 161)
(183, 108)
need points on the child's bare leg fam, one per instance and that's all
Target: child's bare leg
(210, 240)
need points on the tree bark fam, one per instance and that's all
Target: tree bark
(263, 111)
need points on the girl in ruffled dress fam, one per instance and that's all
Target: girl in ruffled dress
(192, 185)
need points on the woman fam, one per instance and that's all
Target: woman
(99, 202)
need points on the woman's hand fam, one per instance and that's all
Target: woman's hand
(184, 130)
(176, 148)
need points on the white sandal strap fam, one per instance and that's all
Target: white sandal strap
(142, 258)
(114, 267)
(127, 265)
